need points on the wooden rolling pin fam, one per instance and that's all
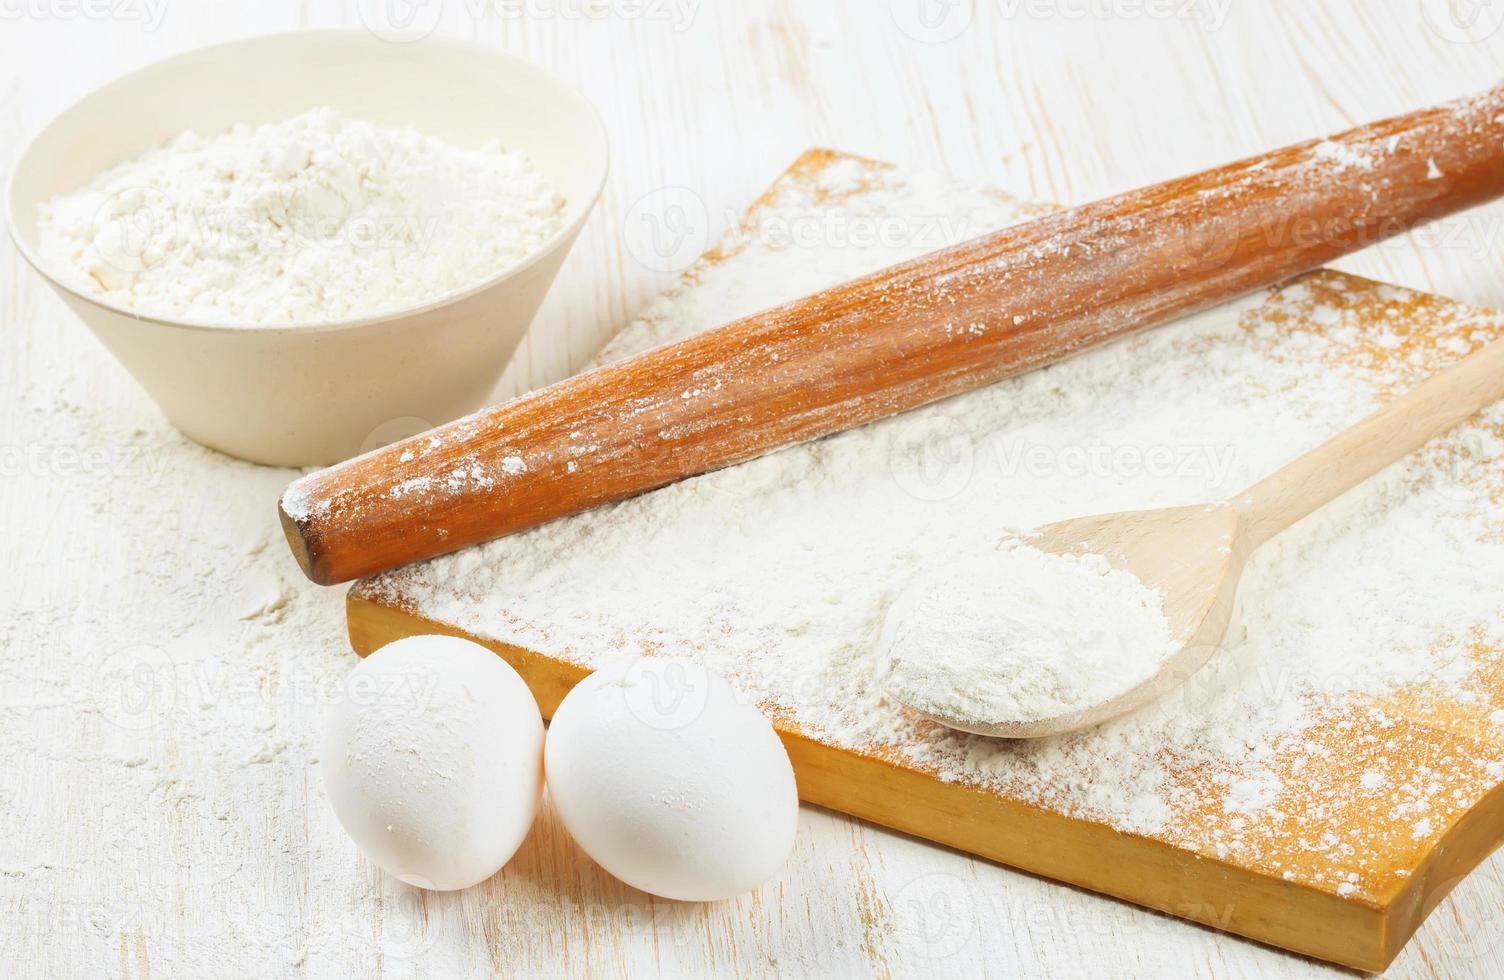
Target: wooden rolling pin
(941, 324)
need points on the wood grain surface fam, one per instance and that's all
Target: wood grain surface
(205, 847)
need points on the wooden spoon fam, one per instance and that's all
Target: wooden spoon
(1194, 555)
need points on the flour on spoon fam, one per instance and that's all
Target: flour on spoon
(1019, 635)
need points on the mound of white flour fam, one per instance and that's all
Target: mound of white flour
(313, 218)
(1015, 634)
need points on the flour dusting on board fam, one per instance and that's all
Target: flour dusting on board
(778, 573)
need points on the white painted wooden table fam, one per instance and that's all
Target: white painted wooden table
(162, 663)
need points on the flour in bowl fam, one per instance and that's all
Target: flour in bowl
(317, 217)
(1016, 634)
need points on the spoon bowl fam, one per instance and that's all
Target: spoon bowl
(1189, 555)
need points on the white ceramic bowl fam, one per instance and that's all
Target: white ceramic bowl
(316, 393)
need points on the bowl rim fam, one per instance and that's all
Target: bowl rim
(564, 234)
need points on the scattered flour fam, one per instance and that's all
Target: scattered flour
(778, 573)
(314, 218)
(1016, 634)
(1343, 155)
(159, 750)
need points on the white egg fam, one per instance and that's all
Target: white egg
(432, 760)
(669, 782)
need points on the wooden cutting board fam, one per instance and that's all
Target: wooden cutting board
(1330, 872)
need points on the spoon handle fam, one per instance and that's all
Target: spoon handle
(1402, 426)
